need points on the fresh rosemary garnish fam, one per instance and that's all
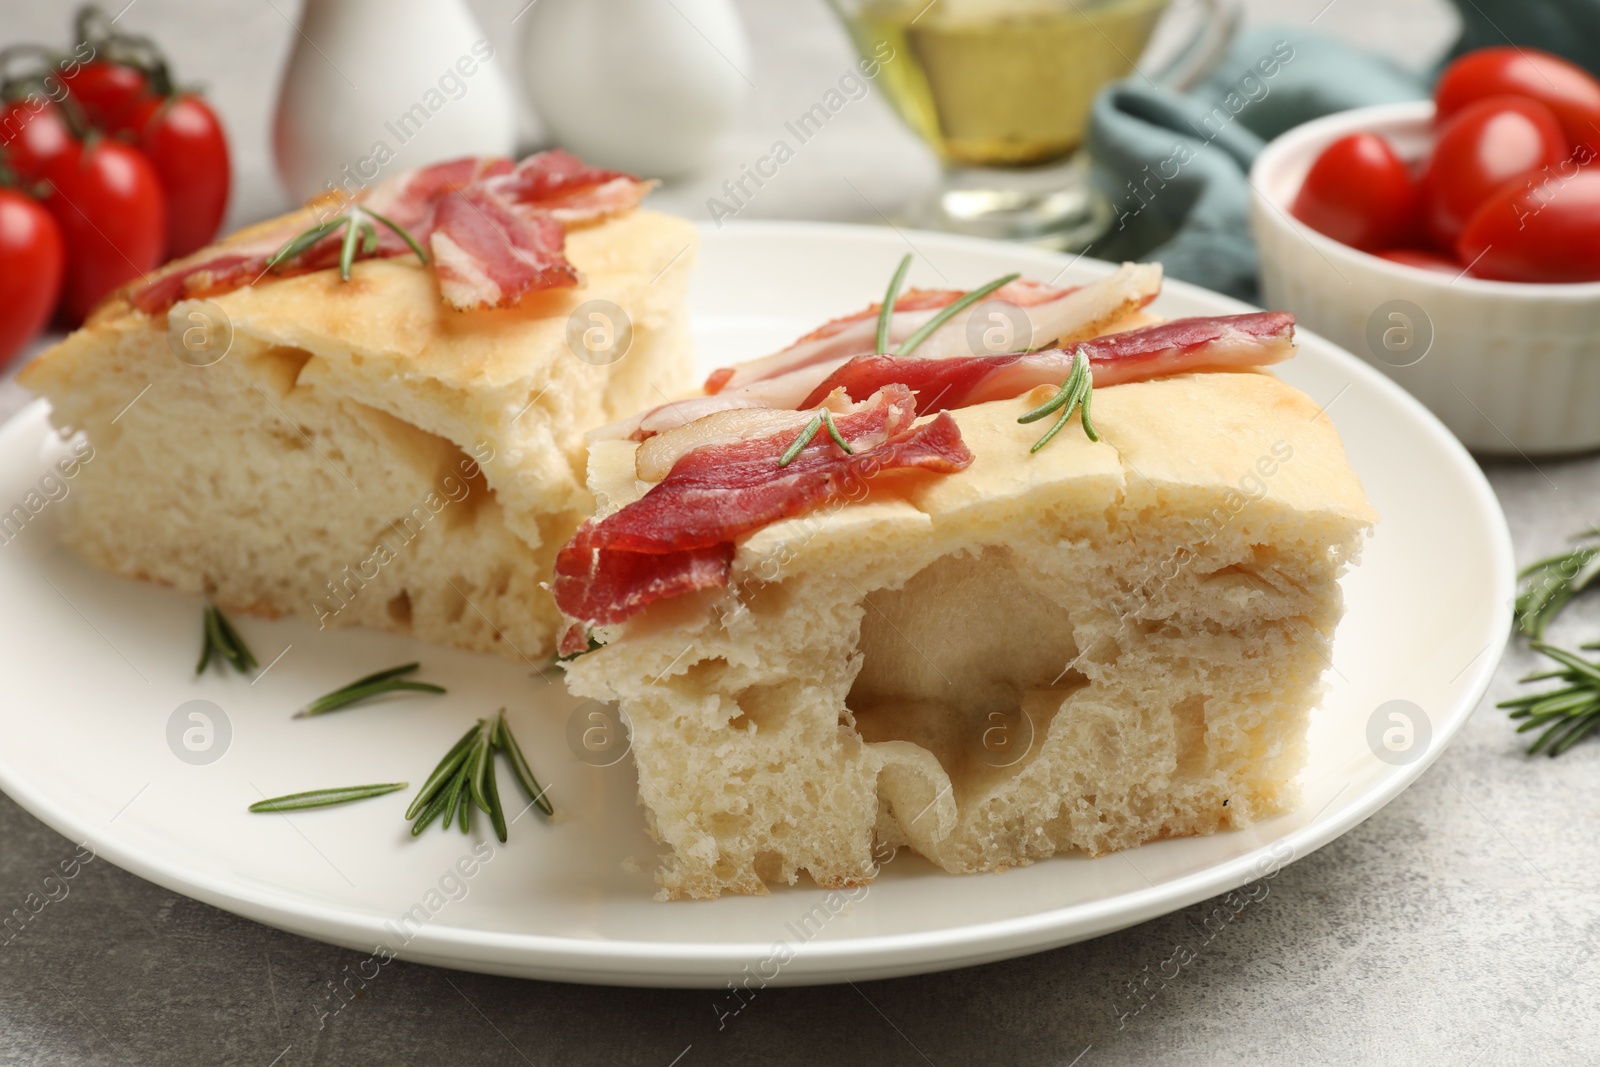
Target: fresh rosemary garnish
(1076, 390)
(1553, 581)
(372, 685)
(1566, 714)
(357, 223)
(465, 779)
(221, 638)
(823, 418)
(950, 311)
(322, 798)
(800, 442)
(886, 312)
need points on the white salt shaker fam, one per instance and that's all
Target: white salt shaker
(637, 85)
(377, 86)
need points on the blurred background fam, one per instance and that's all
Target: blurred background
(236, 52)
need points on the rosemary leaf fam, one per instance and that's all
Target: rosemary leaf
(442, 773)
(886, 312)
(222, 640)
(347, 250)
(949, 312)
(322, 798)
(239, 652)
(453, 798)
(833, 432)
(299, 245)
(429, 813)
(519, 764)
(366, 688)
(403, 233)
(205, 644)
(482, 756)
(491, 793)
(800, 442)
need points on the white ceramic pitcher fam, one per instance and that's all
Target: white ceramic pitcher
(376, 86)
(644, 86)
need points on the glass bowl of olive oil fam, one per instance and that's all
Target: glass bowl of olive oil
(1001, 91)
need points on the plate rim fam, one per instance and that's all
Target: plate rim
(698, 964)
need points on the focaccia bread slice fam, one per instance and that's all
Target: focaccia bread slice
(364, 454)
(1087, 648)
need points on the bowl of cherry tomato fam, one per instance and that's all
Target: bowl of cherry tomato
(1454, 243)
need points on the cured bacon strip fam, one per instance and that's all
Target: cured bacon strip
(570, 189)
(1177, 347)
(680, 536)
(497, 228)
(487, 255)
(1054, 315)
(786, 379)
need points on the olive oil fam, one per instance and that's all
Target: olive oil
(1001, 82)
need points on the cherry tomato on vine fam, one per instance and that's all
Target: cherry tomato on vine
(1359, 193)
(31, 262)
(1484, 146)
(1571, 93)
(1546, 234)
(108, 204)
(108, 93)
(184, 141)
(35, 137)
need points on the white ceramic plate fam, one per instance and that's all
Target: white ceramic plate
(95, 669)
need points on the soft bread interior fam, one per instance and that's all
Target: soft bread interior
(1087, 648)
(363, 455)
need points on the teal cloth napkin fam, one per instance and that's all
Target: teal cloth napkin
(1174, 165)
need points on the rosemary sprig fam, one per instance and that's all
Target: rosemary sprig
(950, 311)
(359, 231)
(1076, 390)
(886, 312)
(372, 685)
(465, 779)
(322, 798)
(221, 638)
(823, 418)
(1553, 581)
(1565, 714)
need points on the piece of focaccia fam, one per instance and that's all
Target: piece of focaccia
(1089, 647)
(364, 453)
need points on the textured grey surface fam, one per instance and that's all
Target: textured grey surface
(1457, 926)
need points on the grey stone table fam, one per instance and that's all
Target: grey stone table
(1457, 926)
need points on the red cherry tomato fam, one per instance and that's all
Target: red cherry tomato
(31, 261)
(183, 139)
(1481, 148)
(109, 207)
(1547, 234)
(1423, 258)
(1570, 92)
(108, 93)
(35, 136)
(1359, 193)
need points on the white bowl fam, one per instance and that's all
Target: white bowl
(1508, 366)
